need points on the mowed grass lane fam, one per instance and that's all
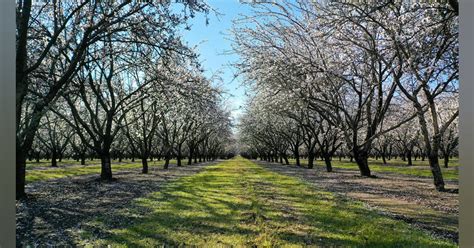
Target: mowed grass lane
(419, 168)
(73, 168)
(240, 204)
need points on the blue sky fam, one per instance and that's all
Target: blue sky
(212, 42)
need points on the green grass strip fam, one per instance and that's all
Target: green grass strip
(240, 204)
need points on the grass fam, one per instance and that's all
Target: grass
(240, 204)
(74, 169)
(419, 168)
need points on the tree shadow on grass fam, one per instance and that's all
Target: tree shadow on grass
(249, 212)
(57, 210)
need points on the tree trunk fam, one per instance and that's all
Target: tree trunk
(327, 160)
(297, 157)
(178, 156)
(53, 160)
(409, 158)
(144, 164)
(83, 159)
(361, 159)
(178, 161)
(446, 160)
(106, 167)
(436, 170)
(190, 158)
(311, 160)
(383, 158)
(286, 160)
(167, 162)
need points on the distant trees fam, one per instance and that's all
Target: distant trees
(91, 75)
(365, 78)
(54, 136)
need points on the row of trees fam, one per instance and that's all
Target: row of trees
(112, 78)
(348, 78)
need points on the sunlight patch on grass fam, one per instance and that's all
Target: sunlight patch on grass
(77, 170)
(419, 168)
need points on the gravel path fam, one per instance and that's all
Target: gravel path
(55, 211)
(409, 198)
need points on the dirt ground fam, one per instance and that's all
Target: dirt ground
(54, 210)
(409, 198)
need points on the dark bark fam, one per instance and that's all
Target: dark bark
(361, 158)
(167, 163)
(106, 167)
(297, 157)
(436, 171)
(53, 160)
(446, 160)
(83, 159)
(191, 154)
(311, 160)
(145, 164)
(286, 160)
(327, 160)
(409, 158)
(178, 156)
